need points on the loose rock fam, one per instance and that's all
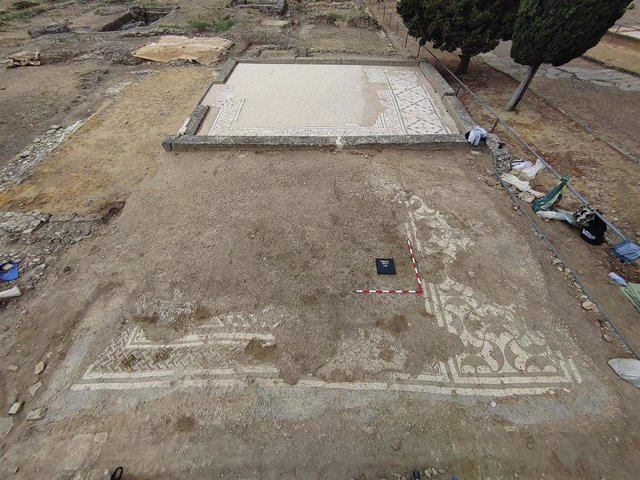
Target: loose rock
(12, 368)
(33, 389)
(36, 414)
(587, 305)
(15, 408)
(40, 367)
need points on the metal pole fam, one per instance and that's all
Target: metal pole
(384, 11)
(397, 28)
(419, 47)
(390, 18)
(406, 39)
(494, 126)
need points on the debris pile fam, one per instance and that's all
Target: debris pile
(22, 59)
(364, 20)
(50, 29)
(16, 171)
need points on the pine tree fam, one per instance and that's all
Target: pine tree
(473, 26)
(557, 31)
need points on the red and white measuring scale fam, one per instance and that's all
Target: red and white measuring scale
(415, 269)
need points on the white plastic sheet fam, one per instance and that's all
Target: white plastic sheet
(627, 369)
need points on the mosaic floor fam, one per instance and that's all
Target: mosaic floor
(501, 355)
(344, 100)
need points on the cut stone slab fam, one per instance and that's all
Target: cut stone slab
(203, 50)
(15, 408)
(588, 74)
(274, 23)
(12, 368)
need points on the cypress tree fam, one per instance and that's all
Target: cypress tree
(473, 26)
(557, 31)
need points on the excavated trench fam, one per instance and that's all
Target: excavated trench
(138, 17)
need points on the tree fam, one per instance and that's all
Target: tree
(557, 31)
(473, 26)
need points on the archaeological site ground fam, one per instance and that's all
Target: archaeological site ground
(196, 193)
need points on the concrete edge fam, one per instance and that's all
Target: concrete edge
(274, 60)
(431, 142)
(373, 61)
(196, 118)
(441, 85)
(318, 60)
(452, 104)
(496, 149)
(454, 107)
(225, 70)
(187, 143)
(167, 142)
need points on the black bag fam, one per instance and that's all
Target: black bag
(593, 231)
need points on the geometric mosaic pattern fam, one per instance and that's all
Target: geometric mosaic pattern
(407, 109)
(501, 356)
(499, 348)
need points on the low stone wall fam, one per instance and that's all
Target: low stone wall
(278, 7)
(224, 71)
(497, 150)
(187, 140)
(183, 143)
(373, 61)
(196, 118)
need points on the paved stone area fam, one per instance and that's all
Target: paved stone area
(325, 100)
(630, 30)
(604, 77)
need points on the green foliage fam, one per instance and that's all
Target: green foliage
(333, 17)
(223, 25)
(473, 26)
(557, 31)
(174, 27)
(22, 15)
(199, 24)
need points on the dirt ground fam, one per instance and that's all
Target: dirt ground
(82, 64)
(277, 248)
(195, 312)
(617, 51)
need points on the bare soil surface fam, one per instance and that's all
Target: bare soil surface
(618, 52)
(231, 242)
